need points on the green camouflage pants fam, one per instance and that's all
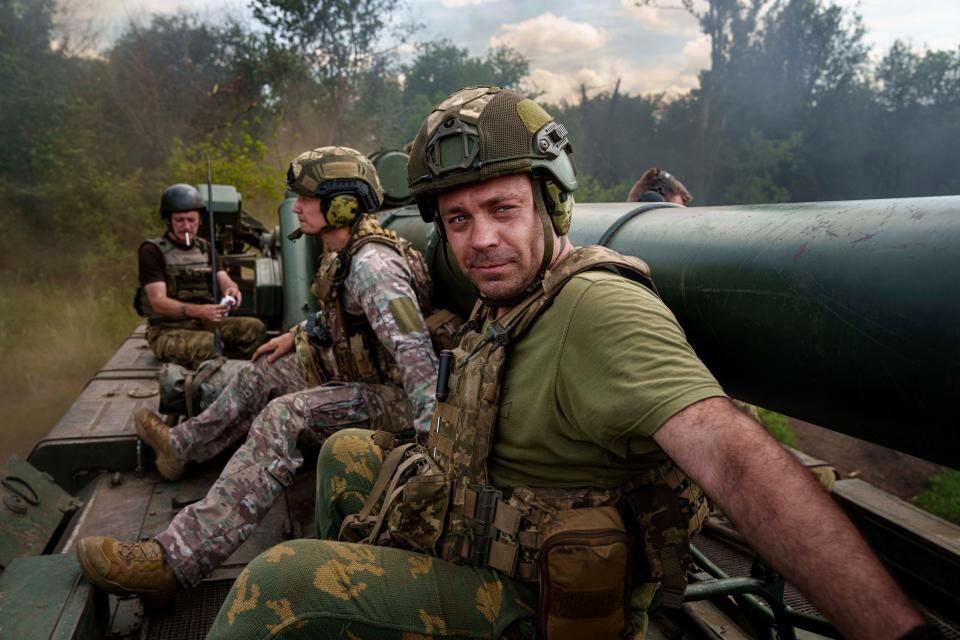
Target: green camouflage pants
(326, 589)
(204, 534)
(189, 345)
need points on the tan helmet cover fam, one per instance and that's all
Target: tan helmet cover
(328, 171)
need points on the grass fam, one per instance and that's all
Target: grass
(942, 497)
(53, 338)
(778, 425)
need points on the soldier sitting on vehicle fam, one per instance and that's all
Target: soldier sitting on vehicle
(176, 293)
(563, 471)
(657, 185)
(365, 359)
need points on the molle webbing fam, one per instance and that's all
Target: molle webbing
(463, 428)
(187, 275)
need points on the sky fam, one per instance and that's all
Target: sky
(574, 42)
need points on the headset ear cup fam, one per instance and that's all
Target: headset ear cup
(559, 204)
(341, 210)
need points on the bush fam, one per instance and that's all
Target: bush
(942, 498)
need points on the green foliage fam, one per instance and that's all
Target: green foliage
(778, 425)
(942, 498)
(238, 160)
(440, 68)
(181, 78)
(613, 135)
(759, 167)
(590, 189)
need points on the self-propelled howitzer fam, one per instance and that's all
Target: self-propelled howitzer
(844, 314)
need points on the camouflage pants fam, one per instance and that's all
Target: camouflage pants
(204, 534)
(326, 589)
(190, 345)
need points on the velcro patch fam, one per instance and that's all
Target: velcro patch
(532, 115)
(406, 314)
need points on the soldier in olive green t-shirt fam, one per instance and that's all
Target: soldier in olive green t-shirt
(588, 385)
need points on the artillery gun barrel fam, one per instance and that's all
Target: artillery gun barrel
(299, 264)
(843, 314)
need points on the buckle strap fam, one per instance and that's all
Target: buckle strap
(362, 519)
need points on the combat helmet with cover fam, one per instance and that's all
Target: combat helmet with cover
(181, 197)
(483, 132)
(343, 178)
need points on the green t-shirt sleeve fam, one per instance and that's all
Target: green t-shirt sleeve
(625, 366)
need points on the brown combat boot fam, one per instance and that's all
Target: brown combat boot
(128, 568)
(156, 434)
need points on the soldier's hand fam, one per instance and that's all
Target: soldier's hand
(211, 313)
(235, 292)
(275, 348)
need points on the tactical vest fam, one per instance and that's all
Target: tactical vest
(468, 521)
(186, 273)
(337, 345)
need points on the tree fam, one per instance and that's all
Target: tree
(180, 78)
(440, 68)
(336, 40)
(38, 84)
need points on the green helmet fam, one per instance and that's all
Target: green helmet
(484, 132)
(343, 178)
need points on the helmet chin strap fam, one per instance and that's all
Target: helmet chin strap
(544, 262)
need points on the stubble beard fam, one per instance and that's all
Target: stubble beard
(502, 285)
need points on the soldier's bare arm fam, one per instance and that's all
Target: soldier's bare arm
(164, 305)
(787, 517)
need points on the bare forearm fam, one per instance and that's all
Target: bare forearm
(171, 308)
(792, 523)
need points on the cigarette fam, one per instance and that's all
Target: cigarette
(188, 238)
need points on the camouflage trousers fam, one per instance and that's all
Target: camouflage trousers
(327, 589)
(272, 406)
(189, 344)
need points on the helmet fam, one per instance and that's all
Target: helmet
(483, 132)
(181, 197)
(343, 178)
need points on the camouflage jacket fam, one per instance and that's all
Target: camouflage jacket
(372, 298)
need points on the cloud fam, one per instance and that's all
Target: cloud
(696, 55)
(673, 75)
(463, 3)
(670, 19)
(550, 36)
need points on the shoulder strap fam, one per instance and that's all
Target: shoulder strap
(580, 260)
(369, 230)
(592, 258)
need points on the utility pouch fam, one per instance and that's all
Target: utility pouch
(444, 328)
(415, 497)
(416, 520)
(585, 574)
